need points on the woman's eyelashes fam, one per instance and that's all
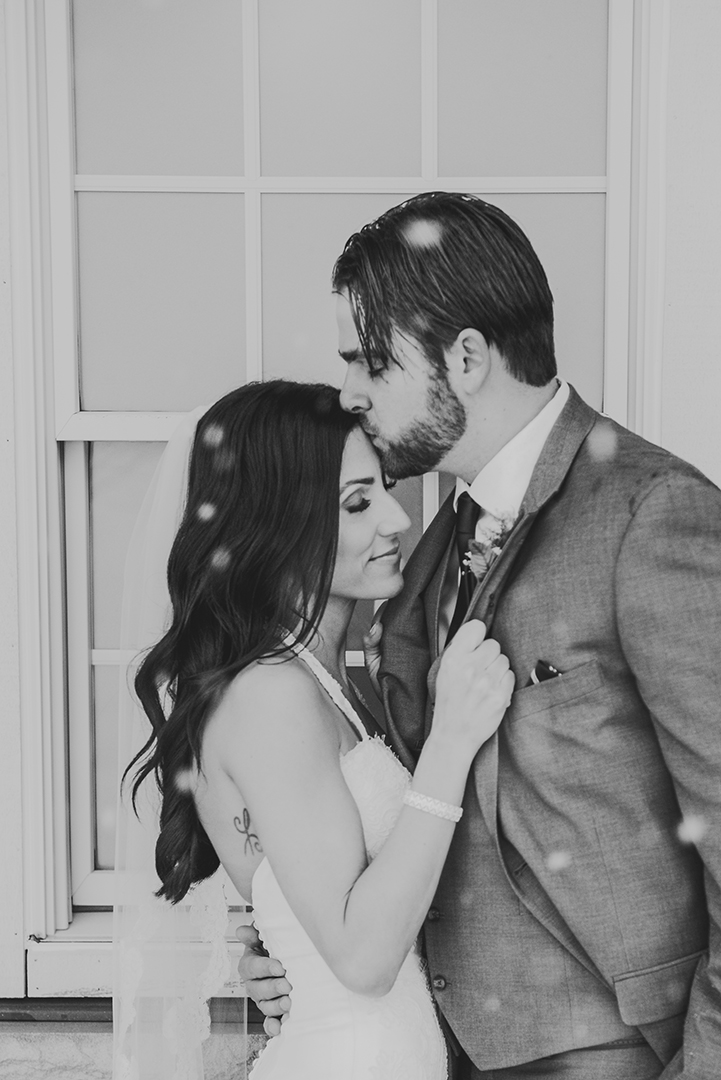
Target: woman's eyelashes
(357, 506)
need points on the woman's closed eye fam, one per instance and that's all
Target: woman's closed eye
(354, 494)
(357, 506)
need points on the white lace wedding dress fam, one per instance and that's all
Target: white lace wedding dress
(330, 1032)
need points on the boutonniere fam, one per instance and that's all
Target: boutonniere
(484, 552)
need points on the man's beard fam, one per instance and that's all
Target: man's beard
(426, 441)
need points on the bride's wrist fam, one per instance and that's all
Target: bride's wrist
(443, 769)
(450, 750)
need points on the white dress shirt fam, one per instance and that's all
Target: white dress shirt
(500, 487)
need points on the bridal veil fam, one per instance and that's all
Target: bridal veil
(168, 960)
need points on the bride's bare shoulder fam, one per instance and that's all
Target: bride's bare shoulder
(271, 695)
(278, 675)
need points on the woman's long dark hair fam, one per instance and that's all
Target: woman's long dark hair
(253, 557)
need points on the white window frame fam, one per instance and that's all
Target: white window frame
(72, 956)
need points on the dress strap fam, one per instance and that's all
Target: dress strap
(330, 684)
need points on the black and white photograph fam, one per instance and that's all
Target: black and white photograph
(360, 591)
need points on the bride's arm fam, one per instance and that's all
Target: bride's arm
(283, 755)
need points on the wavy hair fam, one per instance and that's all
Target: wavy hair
(252, 559)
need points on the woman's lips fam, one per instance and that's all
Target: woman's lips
(391, 553)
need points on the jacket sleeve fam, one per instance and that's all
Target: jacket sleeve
(668, 594)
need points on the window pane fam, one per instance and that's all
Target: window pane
(340, 88)
(568, 234)
(158, 87)
(522, 87)
(303, 235)
(120, 473)
(162, 308)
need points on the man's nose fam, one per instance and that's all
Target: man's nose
(353, 397)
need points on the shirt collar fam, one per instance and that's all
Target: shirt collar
(501, 484)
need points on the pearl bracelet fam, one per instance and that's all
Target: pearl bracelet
(432, 806)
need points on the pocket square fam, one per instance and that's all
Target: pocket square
(543, 671)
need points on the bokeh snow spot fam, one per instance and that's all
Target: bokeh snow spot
(602, 442)
(213, 435)
(558, 860)
(185, 780)
(206, 511)
(220, 559)
(692, 829)
(423, 234)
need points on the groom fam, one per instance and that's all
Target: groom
(576, 929)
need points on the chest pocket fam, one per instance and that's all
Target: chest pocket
(553, 692)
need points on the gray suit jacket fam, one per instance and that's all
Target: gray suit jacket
(612, 574)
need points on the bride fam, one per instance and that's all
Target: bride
(267, 759)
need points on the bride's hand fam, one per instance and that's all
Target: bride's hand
(473, 689)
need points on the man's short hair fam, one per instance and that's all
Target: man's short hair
(442, 262)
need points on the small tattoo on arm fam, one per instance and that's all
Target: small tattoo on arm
(252, 844)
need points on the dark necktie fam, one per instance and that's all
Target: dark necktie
(467, 514)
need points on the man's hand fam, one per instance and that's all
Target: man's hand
(264, 980)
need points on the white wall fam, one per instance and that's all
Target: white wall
(691, 418)
(11, 943)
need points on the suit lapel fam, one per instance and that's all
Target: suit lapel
(409, 639)
(483, 606)
(433, 597)
(409, 661)
(563, 443)
(556, 458)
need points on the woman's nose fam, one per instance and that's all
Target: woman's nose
(396, 520)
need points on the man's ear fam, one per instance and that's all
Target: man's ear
(468, 361)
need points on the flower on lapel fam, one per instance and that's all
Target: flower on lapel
(482, 553)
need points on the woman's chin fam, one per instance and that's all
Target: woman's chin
(384, 589)
(391, 588)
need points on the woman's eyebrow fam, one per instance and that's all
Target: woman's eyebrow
(366, 480)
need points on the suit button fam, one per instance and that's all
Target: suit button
(433, 914)
(439, 983)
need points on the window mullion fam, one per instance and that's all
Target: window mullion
(618, 208)
(79, 644)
